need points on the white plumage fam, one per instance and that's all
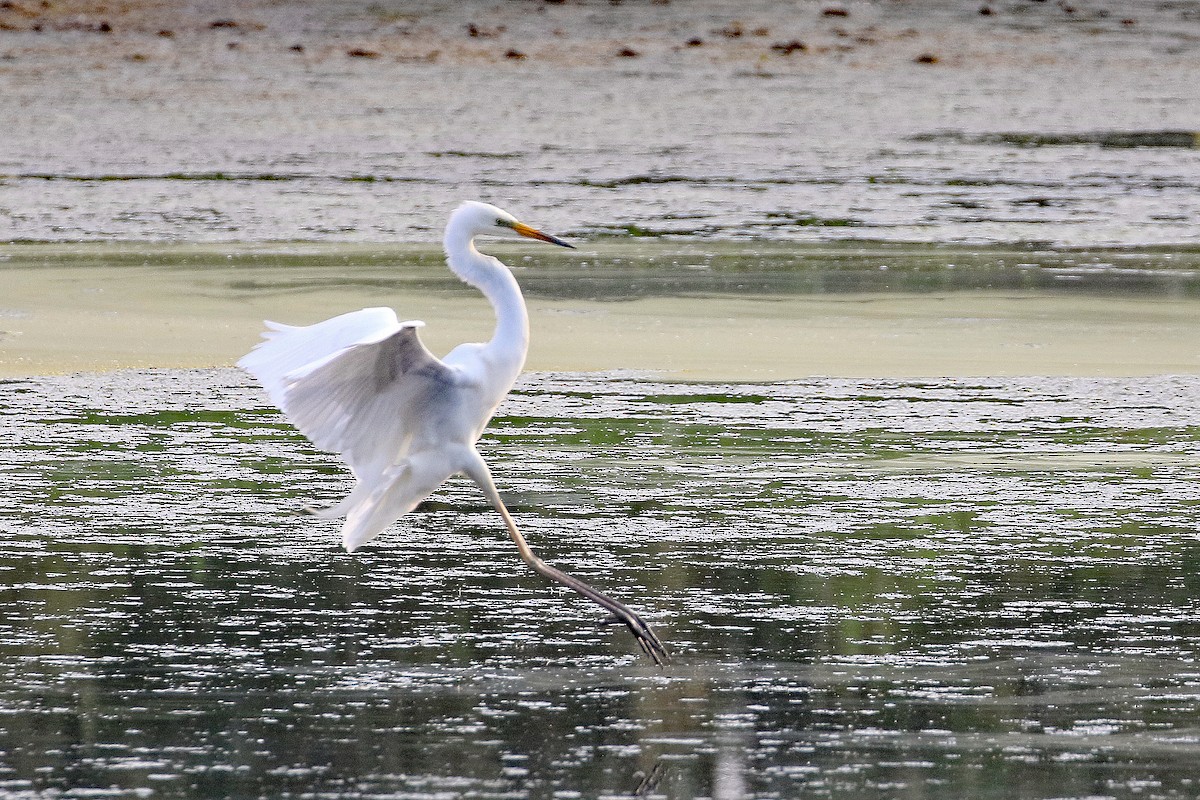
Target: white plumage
(364, 386)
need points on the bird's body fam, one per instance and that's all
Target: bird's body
(364, 386)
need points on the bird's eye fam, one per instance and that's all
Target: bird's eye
(502, 223)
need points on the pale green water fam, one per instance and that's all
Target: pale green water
(982, 588)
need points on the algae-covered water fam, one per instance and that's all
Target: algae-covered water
(689, 309)
(870, 588)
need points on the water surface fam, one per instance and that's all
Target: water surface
(1040, 122)
(942, 588)
(690, 309)
(872, 587)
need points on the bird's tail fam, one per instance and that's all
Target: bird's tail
(373, 506)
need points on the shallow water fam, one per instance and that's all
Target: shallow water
(870, 588)
(1038, 123)
(690, 310)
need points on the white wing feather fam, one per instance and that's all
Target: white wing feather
(287, 348)
(351, 384)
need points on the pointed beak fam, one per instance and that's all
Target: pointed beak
(534, 233)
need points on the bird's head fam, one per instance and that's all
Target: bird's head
(484, 219)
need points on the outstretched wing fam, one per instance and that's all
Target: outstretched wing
(287, 348)
(354, 385)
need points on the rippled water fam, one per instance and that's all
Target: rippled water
(1070, 124)
(952, 588)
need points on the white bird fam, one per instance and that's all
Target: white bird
(364, 386)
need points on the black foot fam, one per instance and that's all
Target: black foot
(646, 638)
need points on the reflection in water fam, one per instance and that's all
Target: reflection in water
(940, 588)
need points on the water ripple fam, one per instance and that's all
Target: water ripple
(867, 585)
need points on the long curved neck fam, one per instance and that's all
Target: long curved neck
(510, 342)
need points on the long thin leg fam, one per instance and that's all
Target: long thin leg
(646, 637)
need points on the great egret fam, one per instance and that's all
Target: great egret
(364, 386)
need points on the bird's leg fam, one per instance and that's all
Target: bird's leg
(621, 613)
(646, 638)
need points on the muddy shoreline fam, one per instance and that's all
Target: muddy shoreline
(191, 122)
